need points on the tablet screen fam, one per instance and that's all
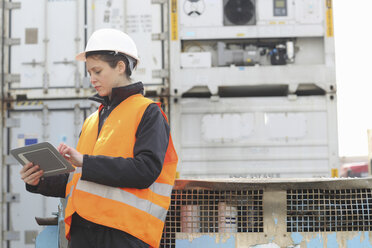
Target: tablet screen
(43, 156)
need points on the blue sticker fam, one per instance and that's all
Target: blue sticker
(30, 141)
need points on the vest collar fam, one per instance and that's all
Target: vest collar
(119, 94)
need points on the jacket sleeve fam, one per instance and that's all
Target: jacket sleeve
(143, 169)
(50, 186)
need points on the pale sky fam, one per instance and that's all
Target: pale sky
(353, 41)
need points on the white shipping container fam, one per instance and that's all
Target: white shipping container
(255, 137)
(52, 121)
(52, 32)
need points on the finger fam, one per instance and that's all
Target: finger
(67, 151)
(25, 167)
(29, 172)
(59, 147)
(32, 179)
(64, 150)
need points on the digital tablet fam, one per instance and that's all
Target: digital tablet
(46, 156)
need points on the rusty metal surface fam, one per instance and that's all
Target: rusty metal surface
(274, 183)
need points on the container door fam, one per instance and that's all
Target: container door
(51, 35)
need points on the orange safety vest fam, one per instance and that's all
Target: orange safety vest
(139, 212)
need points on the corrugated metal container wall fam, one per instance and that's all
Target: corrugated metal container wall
(52, 121)
(256, 137)
(52, 34)
(54, 31)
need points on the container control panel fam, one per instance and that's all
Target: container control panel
(280, 7)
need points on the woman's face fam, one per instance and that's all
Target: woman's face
(103, 77)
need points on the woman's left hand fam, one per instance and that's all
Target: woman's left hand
(72, 155)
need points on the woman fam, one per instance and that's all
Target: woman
(125, 161)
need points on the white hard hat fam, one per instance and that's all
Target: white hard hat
(108, 39)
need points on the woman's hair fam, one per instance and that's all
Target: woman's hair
(112, 58)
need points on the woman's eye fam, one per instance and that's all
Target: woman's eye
(98, 72)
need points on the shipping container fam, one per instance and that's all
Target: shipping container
(32, 122)
(256, 136)
(52, 33)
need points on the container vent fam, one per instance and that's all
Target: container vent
(317, 210)
(213, 211)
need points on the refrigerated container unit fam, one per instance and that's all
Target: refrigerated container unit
(253, 88)
(253, 42)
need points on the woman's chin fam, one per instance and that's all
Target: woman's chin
(101, 93)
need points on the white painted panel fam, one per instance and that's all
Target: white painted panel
(66, 40)
(51, 35)
(226, 127)
(247, 137)
(30, 51)
(309, 11)
(288, 125)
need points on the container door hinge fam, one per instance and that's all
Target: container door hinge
(13, 122)
(12, 78)
(12, 197)
(160, 74)
(160, 36)
(11, 5)
(11, 235)
(159, 1)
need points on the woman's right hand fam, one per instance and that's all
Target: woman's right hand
(31, 174)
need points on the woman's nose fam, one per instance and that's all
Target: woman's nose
(92, 80)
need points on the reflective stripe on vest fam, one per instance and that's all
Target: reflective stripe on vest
(161, 189)
(123, 196)
(71, 175)
(69, 194)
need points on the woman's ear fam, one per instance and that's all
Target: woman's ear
(121, 67)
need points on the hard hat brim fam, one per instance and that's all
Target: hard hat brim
(81, 57)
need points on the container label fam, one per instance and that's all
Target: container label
(334, 172)
(329, 15)
(26, 139)
(174, 20)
